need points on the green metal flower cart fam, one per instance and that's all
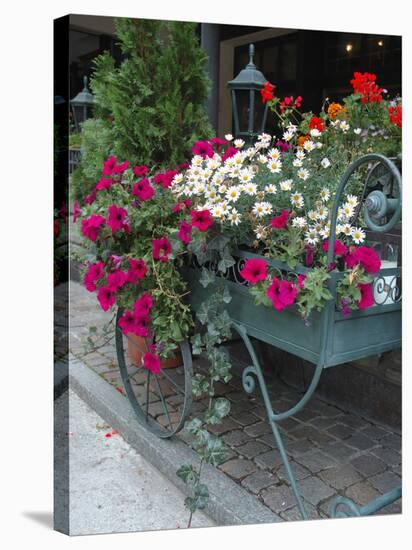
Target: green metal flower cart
(329, 340)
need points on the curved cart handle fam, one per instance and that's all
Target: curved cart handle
(376, 205)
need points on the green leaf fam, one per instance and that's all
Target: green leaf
(220, 408)
(193, 426)
(196, 341)
(226, 296)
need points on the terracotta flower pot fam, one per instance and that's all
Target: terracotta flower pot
(137, 346)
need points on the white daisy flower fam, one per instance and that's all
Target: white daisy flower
(322, 213)
(251, 188)
(334, 123)
(352, 200)
(324, 232)
(297, 200)
(303, 174)
(267, 208)
(274, 166)
(274, 154)
(288, 135)
(344, 126)
(238, 143)
(258, 209)
(315, 132)
(262, 159)
(297, 163)
(311, 236)
(241, 187)
(309, 145)
(318, 145)
(234, 217)
(178, 178)
(300, 154)
(217, 211)
(286, 185)
(325, 194)
(245, 175)
(346, 229)
(199, 188)
(211, 194)
(299, 222)
(271, 189)
(358, 235)
(312, 215)
(357, 131)
(228, 137)
(233, 193)
(325, 162)
(348, 210)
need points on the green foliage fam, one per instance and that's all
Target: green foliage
(315, 292)
(150, 109)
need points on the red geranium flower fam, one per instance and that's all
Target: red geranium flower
(267, 92)
(280, 221)
(254, 270)
(106, 298)
(202, 219)
(281, 293)
(161, 249)
(395, 115)
(151, 362)
(316, 123)
(365, 85)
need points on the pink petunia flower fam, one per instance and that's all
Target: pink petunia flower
(301, 281)
(108, 165)
(281, 293)
(127, 322)
(76, 211)
(140, 170)
(121, 168)
(366, 296)
(165, 178)
(143, 305)
(219, 142)
(281, 221)
(103, 184)
(116, 218)
(143, 190)
(91, 226)
(203, 148)
(339, 248)
(151, 362)
(254, 270)
(137, 270)
(230, 152)
(366, 257)
(309, 255)
(91, 197)
(106, 298)
(115, 280)
(94, 273)
(201, 219)
(184, 232)
(141, 326)
(161, 248)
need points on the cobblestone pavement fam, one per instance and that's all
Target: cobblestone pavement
(332, 451)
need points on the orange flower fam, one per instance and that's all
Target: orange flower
(302, 139)
(334, 109)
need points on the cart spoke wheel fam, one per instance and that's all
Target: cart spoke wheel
(161, 401)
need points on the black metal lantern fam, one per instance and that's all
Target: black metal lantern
(249, 114)
(82, 105)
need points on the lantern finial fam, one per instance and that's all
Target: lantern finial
(251, 55)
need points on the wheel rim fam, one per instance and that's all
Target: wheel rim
(161, 402)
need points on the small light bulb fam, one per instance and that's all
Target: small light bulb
(349, 47)
(380, 43)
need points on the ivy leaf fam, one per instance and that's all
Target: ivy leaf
(196, 341)
(193, 426)
(226, 296)
(216, 451)
(200, 384)
(201, 496)
(220, 408)
(203, 313)
(207, 277)
(188, 474)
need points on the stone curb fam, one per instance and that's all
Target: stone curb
(229, 504)
(61, 378)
